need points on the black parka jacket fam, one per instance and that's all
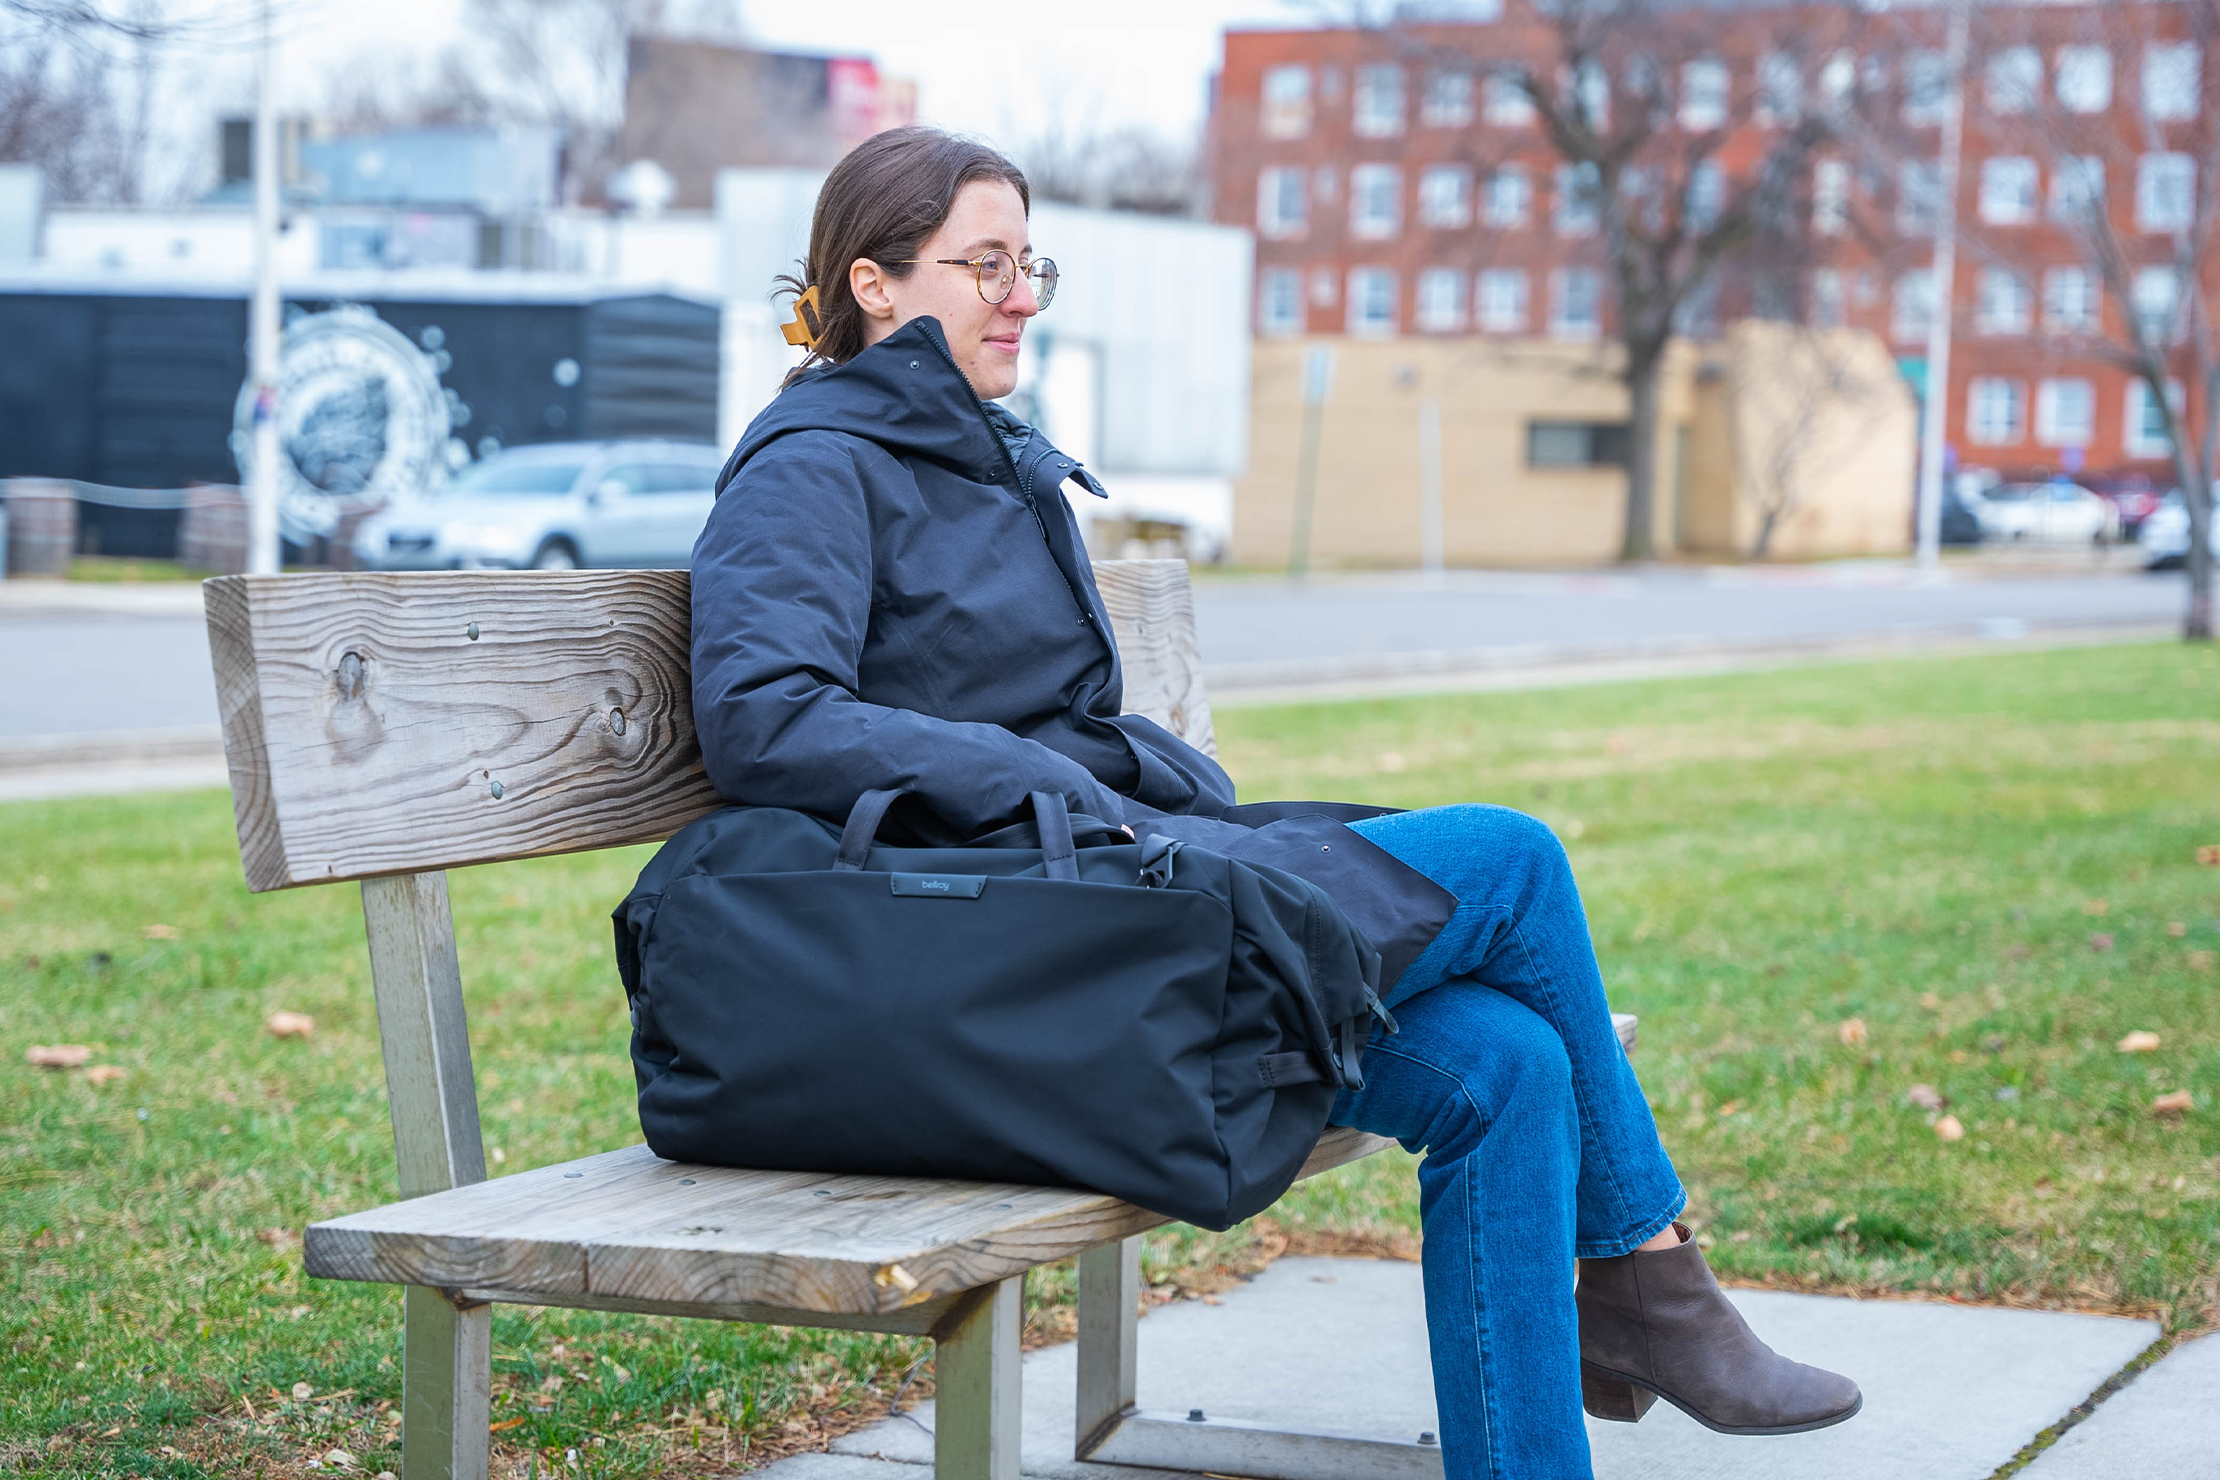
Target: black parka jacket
(888, 595)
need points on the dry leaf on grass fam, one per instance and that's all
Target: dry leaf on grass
(1926, 1097)
(103, 1073)
(277, 1238)
(2209, 855)
(283, 1024)
(1850, 1032)
(2177, 928)
(2203, 960)
(302, 1392)
(2100, 942)
(162, 932)
(57, 1055)
(1930, 1001)
(1949, 1129)
(2170, 1107)
(2094, 907)
(2142, 1040)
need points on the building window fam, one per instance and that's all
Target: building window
(1324, 290)
(1926, 88)
(1589, 89)
(2076, 189)
(1448, 100)
(1830, 196)
(1918, 196)
(1502, 301)
(1503, 101)
(2065, 413)
(2010, 190)
(1838, 80)
(1996, 411)
(2014, 80)
(1378, 106)
(2070, 300)
(1827, 307)
(1371, 300)
(1576, 444)
(1704, 85)
(2170, 80)
(2144, 434)
(2002, 302)
(1441, 300)
(1510, 198)
(1281, 208)
(1575, 303)
(1707, 195)
(1780, 90)
(2155, 296)
(1445, 195)
(1575, 207)
(1375, 201)
(1280, 301)
(2084, 79)
(1286, 102)
(1912, 307)
(2165, 191)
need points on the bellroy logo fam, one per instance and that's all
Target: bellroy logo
(938, 886)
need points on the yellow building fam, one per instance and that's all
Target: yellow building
(1812, 431)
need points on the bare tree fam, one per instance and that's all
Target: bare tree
(1818, 396)
(1128, 169)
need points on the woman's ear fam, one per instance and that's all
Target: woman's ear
(869, 283)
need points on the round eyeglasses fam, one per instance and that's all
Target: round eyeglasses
(997, 273)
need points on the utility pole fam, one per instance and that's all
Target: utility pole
(262, 321)
(1318, 383)
(1934, 411)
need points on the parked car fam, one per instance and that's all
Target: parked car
(2133, 499)
(2165, 535)
(553, 506)
(1960, 524)
(2045, 512)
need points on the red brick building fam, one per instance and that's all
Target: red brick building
(1398, 187)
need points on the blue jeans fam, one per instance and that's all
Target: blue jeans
(1539, 1144)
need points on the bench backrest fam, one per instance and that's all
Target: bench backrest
(381, 724)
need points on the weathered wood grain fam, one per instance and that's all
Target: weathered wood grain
(1152, 612)
(381, 723)
(976, 1381)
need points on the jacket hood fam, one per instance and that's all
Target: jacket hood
(904, 393)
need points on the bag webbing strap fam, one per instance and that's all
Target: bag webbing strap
(1059, 859)
(1289, 1068)
(863, 825)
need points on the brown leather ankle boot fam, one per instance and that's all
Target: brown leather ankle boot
(1655, 1326)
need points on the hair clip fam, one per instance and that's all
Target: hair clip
(808, 321)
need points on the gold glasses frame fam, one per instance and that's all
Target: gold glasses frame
(1041, 270)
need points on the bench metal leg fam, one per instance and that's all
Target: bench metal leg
(975, 1377)
(447, 1356)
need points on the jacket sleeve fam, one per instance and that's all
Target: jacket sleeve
(782, 600)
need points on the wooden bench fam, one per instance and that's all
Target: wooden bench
(385, 728)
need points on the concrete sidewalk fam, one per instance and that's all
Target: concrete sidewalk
(1952, 1391)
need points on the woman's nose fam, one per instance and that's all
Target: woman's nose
(1023, 301)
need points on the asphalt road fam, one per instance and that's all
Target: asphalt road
(99, 672)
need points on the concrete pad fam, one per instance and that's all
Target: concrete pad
(1951, 1391)
(2166, 1422)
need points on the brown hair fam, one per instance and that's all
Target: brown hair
(882, 202)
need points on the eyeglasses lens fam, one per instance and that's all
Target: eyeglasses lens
(997, 272)
(1043, 273)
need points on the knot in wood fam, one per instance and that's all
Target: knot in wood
(616, 720)
(351, 666)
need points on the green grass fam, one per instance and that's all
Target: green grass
(1924, 846)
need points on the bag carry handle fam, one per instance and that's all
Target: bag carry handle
(1059, 858)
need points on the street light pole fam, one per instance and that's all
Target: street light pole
(1935, 405)
(262, 322)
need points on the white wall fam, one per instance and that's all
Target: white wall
(22, 191)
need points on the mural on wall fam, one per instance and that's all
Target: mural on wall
(362, 417)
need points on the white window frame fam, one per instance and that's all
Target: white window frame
(2082, 82)
(1376, 104)
(2171, 80)
(1447, 100)
(1926, 88)
(1706, 197)
(1562, 298)
(2134, 442)
(2011, 190)
(1500, 301)
(1445, 196)
(1706, 94)
(2053, 427)
(1279, 303)
(1283, 110)
(1370, 186)
(1996, 411)
(1588, 89)
(1363, 300)
(1504, 103)
(1507, 201)
(1830, 196)
(2012, 82)
(2076, 186)
(1780, 91)
(1830, 308)
(2070, 304)
(1911, 306)
(2143, 300)
(1574, 208)
(2165, 191)
(1918, 196)
(1277, 187)
(1441, 300)
(2003, 302)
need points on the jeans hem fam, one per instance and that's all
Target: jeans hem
(1613, 1248)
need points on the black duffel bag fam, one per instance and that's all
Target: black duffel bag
(1148, 1019)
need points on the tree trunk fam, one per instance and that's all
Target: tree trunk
(1643, 371)
(2197, 621)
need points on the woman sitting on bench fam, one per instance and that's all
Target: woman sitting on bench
(892, 592)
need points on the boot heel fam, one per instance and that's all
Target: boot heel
(1611, 1398)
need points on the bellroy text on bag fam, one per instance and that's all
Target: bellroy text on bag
(1152, 1020)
